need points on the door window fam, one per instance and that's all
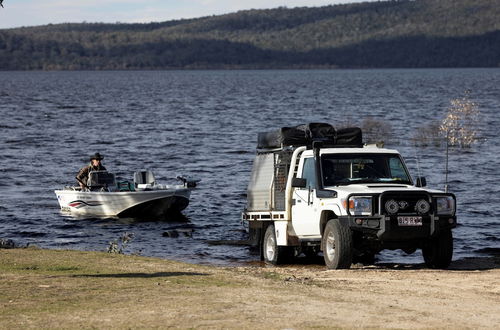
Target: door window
(309, 172)
(397, 169)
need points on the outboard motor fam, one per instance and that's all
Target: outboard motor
(188, 182)
(144, 180)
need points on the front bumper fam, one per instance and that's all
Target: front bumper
(386, 228)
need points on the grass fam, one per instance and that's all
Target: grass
(72, 288)
(75, 289)
(272, 276)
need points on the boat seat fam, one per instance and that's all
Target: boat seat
(144, 180)
(101, 179)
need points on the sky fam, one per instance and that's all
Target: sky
(17, 13)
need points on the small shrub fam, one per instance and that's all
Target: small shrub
(118, 246)
(376, 131)
(427, 136)
(460, 126)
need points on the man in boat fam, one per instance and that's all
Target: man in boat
(95, 165)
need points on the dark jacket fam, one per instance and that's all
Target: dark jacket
(83, 175)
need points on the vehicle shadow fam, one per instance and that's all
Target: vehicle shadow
(141, 275)
(464, 264)
(476, 263)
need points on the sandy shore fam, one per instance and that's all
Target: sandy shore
(72, 289)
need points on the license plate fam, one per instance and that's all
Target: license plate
(410, 221)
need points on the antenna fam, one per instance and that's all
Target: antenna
(417, 160)
(446, 162)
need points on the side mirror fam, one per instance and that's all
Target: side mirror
(421, 181)
(299, 183)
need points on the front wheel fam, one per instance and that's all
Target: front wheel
(273, 253)
(438, 252)
(337, 245)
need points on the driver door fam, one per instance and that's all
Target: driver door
(304, 218)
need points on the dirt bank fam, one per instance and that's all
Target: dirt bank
(72, 289)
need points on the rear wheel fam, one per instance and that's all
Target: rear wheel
(438, 252)
(273, 253)
(337, 245)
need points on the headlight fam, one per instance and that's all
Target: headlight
(359, 205)
(445, 205)
(422, 206)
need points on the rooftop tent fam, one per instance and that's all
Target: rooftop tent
(284, 136)
(304, 135)
(351, 136)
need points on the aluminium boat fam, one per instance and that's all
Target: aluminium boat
(142, 198)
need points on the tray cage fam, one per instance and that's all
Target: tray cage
(281, 168)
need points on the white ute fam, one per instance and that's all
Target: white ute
(316, 189)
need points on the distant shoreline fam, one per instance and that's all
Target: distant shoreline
(382, 34)
(255, 69)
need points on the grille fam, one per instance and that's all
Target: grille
(405, 204)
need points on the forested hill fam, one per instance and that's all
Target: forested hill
(421, 33)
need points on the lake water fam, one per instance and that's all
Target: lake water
(204, 124)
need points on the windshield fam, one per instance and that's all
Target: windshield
(343, 169)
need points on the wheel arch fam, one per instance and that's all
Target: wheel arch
(326, 215)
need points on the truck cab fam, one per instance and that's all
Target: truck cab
(344, 199)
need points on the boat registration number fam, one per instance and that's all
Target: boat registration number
(410, 221)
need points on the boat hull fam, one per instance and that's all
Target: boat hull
(139, 204)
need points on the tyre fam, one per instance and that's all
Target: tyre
(439, 251)
(337, 245)
(273, 253)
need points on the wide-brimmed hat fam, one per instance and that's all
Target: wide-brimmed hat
(96, 156)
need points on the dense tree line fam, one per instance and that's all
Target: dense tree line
(420, 33)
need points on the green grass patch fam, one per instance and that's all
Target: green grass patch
(64, 269)
(272, 276)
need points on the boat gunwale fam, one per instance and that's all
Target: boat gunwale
(136, 192)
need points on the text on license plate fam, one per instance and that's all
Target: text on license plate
(410, 221)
